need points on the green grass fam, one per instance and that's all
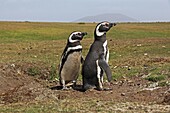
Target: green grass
(142, 30)
(132, 45)
(135, 49)
(156, 78)
(26, 31)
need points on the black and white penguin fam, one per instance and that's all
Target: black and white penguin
(71, 59)
(96, 61)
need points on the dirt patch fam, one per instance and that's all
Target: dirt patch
(18, 85)
(130, 90)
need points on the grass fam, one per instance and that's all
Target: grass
(156, 78)
(131, 45)
(135, 49)
(26, 31)
(142, 30)
(33, 71)
(66, 106)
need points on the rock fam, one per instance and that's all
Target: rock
(139, 45)
(130, 108)
(153, 85)
(167, 99)
(123, 94)
(12, 65)
(145, 54)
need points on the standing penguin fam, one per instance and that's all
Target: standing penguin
(71, 59)
(96, 60)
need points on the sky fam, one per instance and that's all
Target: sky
(71, 10)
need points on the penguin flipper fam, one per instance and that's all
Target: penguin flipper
(104, 65)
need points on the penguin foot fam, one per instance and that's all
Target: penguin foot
(99, 89)
(74, 84)
(66, 88)
(89, 88)
(107, 89)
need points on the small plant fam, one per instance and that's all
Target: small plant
(53, 73)
(164, 83)
(155, 78)
(33, 71)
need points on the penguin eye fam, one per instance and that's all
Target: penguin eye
(77, 34)
(107, 24)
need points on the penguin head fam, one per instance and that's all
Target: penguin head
(76, 36)
(103, 27)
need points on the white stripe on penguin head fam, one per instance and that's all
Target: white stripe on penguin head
(98, 33)
(70, 37)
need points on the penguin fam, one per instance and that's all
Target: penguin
(96, 61)
(71, 60)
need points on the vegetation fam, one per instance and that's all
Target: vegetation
(136, 49)
(132, 45)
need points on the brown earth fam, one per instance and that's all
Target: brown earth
(20, 84)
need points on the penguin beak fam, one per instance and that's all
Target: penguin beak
(84, 33)
(112, 24)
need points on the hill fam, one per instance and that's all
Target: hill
(109, 17)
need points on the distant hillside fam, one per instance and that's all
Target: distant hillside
(107, 17)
